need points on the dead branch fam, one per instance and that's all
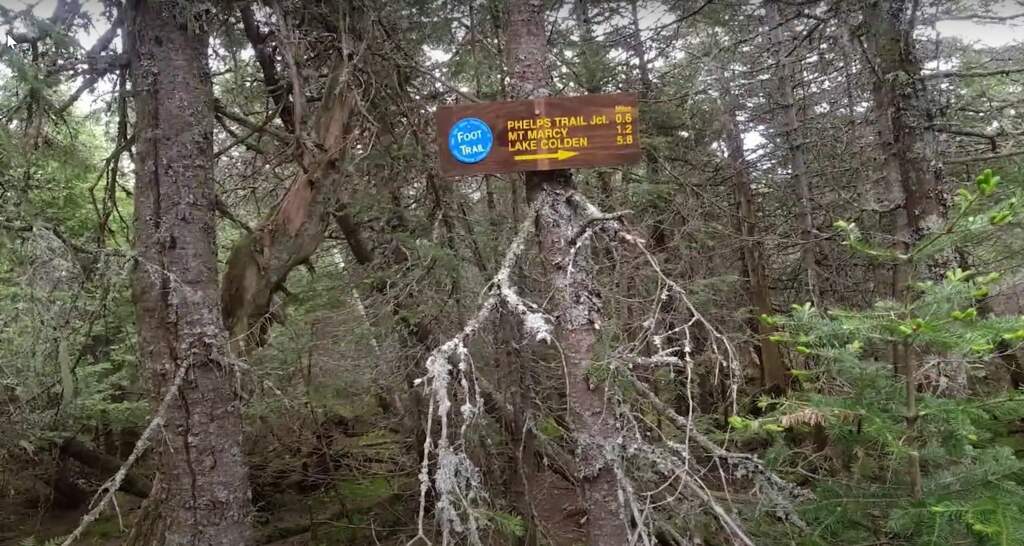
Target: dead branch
(112, 485)
(962, 74)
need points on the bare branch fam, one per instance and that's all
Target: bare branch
(983, 158)
(246, 123)
(983, 17)
(114, 483)
(944, 74)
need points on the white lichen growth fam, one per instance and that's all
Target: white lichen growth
(456, 480)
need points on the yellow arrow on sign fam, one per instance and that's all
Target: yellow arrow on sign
(560, 154)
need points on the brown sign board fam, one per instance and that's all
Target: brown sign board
(538, 135)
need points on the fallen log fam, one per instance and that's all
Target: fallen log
(78, 450)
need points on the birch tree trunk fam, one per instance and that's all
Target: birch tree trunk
(201, 494)
(577, 306)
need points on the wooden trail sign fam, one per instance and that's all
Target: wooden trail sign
(538, 135)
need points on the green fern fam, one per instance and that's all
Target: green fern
(507, 524)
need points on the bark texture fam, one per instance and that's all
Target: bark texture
(773, 370)
(201, 495)
(785, 69)
(260, 263)
(576, 302)
(904, 111)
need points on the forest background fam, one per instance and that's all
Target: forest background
(241, 306)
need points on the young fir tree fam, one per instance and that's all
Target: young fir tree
(895, 454)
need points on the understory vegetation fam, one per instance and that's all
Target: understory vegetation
(239, 303)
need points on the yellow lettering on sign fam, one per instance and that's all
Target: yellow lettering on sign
(546, 133)
(623, 125)
(522, 145)
(553, 134)
(556, 143)
(534, 123)
(570, 121)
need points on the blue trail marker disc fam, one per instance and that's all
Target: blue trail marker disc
(470, 140)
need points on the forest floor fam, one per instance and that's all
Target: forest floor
(350, 512)
(26, 524)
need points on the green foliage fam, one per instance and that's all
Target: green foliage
(549, 428)
(346, 349)
(510, 525)
(649, 194)
(973, 482)
(365, 492)
(67, 363)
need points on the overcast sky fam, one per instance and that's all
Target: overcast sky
(997, 34)
(984, 34)
(988, 34)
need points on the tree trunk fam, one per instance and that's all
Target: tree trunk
(259, 263)
(646, 85)
(903, 111)
(201, 495)
(773, 370)
(794, 148)
(575, 296)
